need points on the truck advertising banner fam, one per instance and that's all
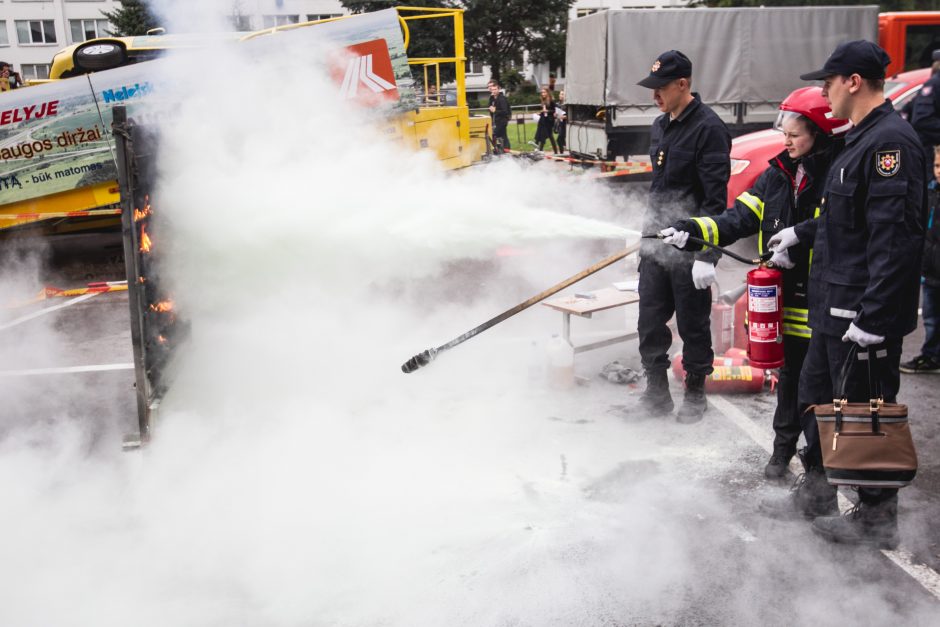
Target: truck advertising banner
(56, 137)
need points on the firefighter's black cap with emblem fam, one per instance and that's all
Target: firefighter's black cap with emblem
(860, 57)
(667, 67)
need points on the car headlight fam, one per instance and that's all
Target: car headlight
(739, 165)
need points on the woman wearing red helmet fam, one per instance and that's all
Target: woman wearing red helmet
(786, 194)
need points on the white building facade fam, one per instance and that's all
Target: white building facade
(32, 31)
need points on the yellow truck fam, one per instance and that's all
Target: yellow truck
(57, 161)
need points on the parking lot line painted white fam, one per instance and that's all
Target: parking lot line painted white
(42, 312)
(65, 370)
(927, 577)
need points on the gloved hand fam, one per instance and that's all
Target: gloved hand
(674, 237)
(862, 338)
(783, 239)
(703, 274)
(782, 260)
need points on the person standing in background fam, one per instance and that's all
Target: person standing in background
(546, 121)
(500, 113)
(561, 122)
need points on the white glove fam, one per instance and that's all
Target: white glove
(781, 259)
(703, 274)
(783, 240)
(674, 237)
(862, 338)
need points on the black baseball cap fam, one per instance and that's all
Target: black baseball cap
(861, 57)
(666, 68)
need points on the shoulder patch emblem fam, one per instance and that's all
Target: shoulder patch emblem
(926, 89)
(888, 162)
(655, 66)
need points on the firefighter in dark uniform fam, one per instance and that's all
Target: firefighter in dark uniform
(925, 112)
(786, 194)
(864, 279)
(690, 148)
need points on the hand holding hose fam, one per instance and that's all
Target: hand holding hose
(675, 237)
(781, 259)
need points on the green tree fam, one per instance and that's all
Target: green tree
(133, 18)
(496, 31)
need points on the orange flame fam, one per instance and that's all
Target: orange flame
(163, 306)
(161, 339)
(140, 215)
(145, 242)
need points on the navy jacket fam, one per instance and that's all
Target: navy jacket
(503, 111)
(870, 234)
(691, 158)
(925, 112)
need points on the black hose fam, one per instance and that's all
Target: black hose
(697, 240)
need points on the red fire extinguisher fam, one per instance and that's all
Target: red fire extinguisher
(765, 317)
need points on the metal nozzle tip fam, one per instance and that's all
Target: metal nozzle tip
(421, 359)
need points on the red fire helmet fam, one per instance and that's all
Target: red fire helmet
(809, 103)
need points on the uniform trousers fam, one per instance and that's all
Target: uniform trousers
(665, 289)
(787, 424)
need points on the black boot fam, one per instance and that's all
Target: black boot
(809, 497)
(656, 398)
(778, 465)
(694, 403)
(874, 525)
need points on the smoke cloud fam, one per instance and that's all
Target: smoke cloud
(297, 477)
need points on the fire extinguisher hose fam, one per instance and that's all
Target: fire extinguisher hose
(763, 259)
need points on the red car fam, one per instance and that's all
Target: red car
(750, 153)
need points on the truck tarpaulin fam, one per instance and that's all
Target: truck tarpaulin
(748, 55)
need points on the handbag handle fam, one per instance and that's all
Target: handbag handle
(876, 399)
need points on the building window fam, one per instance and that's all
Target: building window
(474, 67)
(4, 38)
(313, 17)
(583, 12)
(280, 20)
(35, 32)
(241, 23)
(35, 71)
(83, 30)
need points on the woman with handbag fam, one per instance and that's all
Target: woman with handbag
(543, 131)
(785, 194)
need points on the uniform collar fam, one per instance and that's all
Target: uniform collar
(696, 101)
(784, 162)
(869, 120)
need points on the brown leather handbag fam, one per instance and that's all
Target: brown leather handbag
(865, 444)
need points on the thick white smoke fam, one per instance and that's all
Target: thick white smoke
(297, 477)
